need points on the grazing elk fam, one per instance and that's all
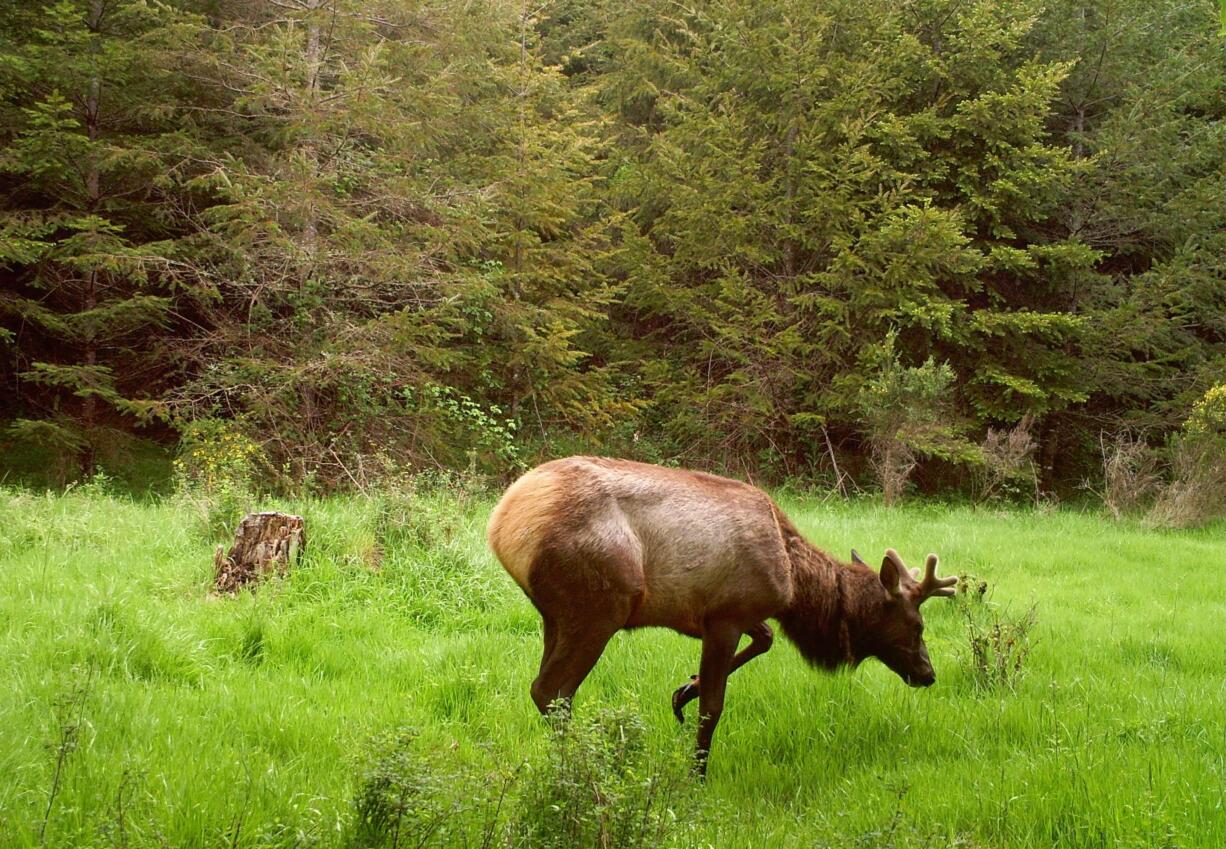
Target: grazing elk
(599, 545)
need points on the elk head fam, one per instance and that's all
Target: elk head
(896, 637)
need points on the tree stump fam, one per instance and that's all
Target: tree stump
(263, 543)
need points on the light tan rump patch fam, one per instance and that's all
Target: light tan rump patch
(520, 519)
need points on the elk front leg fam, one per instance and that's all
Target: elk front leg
(761, 637)
(718, 647)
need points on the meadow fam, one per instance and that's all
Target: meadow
(138, 709)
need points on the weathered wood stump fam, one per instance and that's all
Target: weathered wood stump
(263, 543)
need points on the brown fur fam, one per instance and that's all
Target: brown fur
(600, 545)
(516, 524)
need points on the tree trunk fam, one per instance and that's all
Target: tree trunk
(263, 543)
(93, 192)
(1049, 452)
(314, 62)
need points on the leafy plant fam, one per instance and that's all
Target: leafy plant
(491, 431)
(601, 786)
(216, 455)
(906, 414)
(598, 785)
(998, 644)
(972, 588)
(215, 472)
(403, 798)
(1196, 491)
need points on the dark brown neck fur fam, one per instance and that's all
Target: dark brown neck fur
(832, 603)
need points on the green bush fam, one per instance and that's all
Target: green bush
(1196, 491)
(998, 642)
(215, 473)
(598, 785)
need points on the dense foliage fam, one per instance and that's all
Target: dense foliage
(779, 237)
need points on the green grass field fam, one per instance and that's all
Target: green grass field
(208, 721)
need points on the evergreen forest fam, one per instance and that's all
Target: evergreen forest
(910, 246)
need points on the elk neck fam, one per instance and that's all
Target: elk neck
(833, 604)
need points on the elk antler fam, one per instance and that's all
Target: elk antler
(931, 585)
(921, 588)
(903, 571)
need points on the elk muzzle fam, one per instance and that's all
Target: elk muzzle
(920, 673)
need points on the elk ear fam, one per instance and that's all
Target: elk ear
(855, 558)
(890, 576)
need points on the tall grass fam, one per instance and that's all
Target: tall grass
(193, 720)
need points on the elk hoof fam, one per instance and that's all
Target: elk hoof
(683, 695)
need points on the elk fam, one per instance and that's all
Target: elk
(600, 545)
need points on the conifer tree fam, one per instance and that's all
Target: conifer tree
(443, 233)
(406, 233)
(1143, 109)
(91, 218)
(816, 178)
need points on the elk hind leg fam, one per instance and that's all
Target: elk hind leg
(585, 593)
(568, 661)
(550, 627)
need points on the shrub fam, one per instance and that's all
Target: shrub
(998, 643)
(215, 455)
(215, 473)
(599, 785)
(1006, 468)
(1208, 416)
(1183, 483)
(1196, 491)
(905, 413)
(972, 588)
(403, 798)
(1131, 472)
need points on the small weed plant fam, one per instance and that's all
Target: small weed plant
(1131, 472)
(998, 642)
(404, 797)
(601, 786)
(215, 473)
(70, 719)
(1005, 469)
